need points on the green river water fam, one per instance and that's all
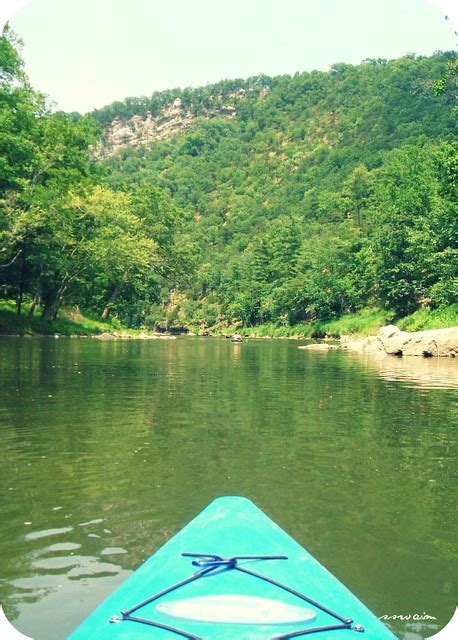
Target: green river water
(109, 447)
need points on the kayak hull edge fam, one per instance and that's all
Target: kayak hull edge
(230, 526)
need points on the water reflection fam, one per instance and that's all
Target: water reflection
(431, 373)
(109, 447)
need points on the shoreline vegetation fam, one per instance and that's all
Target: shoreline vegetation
(318, 200)
(365, 323)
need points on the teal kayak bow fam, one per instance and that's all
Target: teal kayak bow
(231, 574)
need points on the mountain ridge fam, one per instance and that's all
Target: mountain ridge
(281, 195)
(303, 198)
(138, 131)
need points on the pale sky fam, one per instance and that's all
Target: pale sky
(88, 53)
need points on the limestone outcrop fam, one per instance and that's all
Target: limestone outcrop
(140, 131)
(392, 341)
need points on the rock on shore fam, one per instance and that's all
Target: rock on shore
(319, 346)
(132, 336)
(392, 341)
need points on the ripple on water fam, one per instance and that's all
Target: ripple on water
(37, 582)
(345, 452)
(36, 535)
(90, 522)
(112, 551)
(62, 546)
(93, 568)
(54, 576)
(57, 563)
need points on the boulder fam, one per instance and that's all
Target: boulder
(392, 341)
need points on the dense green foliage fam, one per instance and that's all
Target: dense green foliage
(199, 100)
(65, 236)
(70, 322)
(327, 193)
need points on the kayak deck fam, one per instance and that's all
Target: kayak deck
(219, 597)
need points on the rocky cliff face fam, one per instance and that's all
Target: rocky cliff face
(140, 131)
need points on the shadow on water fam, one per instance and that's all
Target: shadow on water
(110, 447)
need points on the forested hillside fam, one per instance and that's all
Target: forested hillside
(322, 194)
(67, 238)
(327, 193)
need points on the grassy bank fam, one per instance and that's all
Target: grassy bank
(68, 323)
(430, 319)
(364, 323)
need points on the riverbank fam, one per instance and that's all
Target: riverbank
(427, 333)
(390, 340)
(364, 323)
(69, 323)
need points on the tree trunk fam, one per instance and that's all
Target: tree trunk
(20, 287)
(114, 295)
(52, 305)
(35, 303)
(48, 311)
(19, 299)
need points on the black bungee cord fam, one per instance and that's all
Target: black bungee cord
(212, 564)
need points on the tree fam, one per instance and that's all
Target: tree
(19, 108)
(415, 229)
(119, 251)
(42, 157)
(35, 213)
